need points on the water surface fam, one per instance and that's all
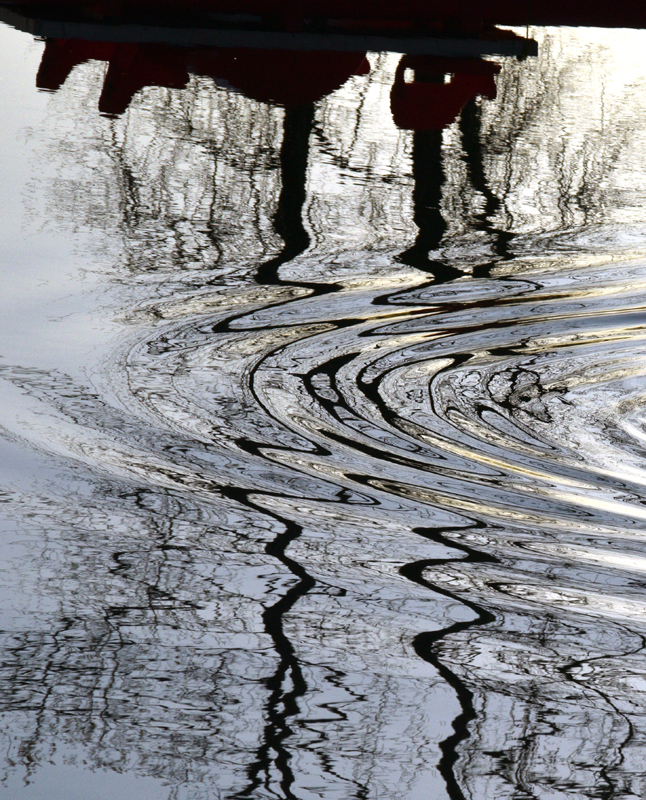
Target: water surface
(323, 440)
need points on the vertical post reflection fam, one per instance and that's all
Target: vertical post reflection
(288, 219)
(428, 174)
(287, 684)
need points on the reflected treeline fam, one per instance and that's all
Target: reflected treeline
(207, 165)
(308, 545)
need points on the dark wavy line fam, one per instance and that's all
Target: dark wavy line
(426, 646)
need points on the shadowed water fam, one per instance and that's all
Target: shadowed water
(323, 440)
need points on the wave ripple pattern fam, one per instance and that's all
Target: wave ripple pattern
(305, 520)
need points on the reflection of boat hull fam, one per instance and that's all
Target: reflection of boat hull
(281, 76)
(404, 16)
(192, 34)
(429, 102)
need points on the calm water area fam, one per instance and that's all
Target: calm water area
(323, 440)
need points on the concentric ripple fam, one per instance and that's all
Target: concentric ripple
(449, 480)
(407, 521)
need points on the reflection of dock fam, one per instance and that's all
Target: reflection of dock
(214, 36)
(276, 58)
(406, 19)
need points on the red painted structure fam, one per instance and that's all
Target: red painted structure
(323, 44)
(273, 76)
(439, 89)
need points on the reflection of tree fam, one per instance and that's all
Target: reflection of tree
(515, 148)
(470, 128)
(189, 179)
(160, 658)
(138, 677)
(526, 738)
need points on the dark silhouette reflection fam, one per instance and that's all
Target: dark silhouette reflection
(287, 685)
(426, 647)
(288, 219)
(427, 103)
(428, 175)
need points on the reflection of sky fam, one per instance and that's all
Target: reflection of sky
(72, 781)
(39, 267)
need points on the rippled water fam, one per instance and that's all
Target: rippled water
(335, 491)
